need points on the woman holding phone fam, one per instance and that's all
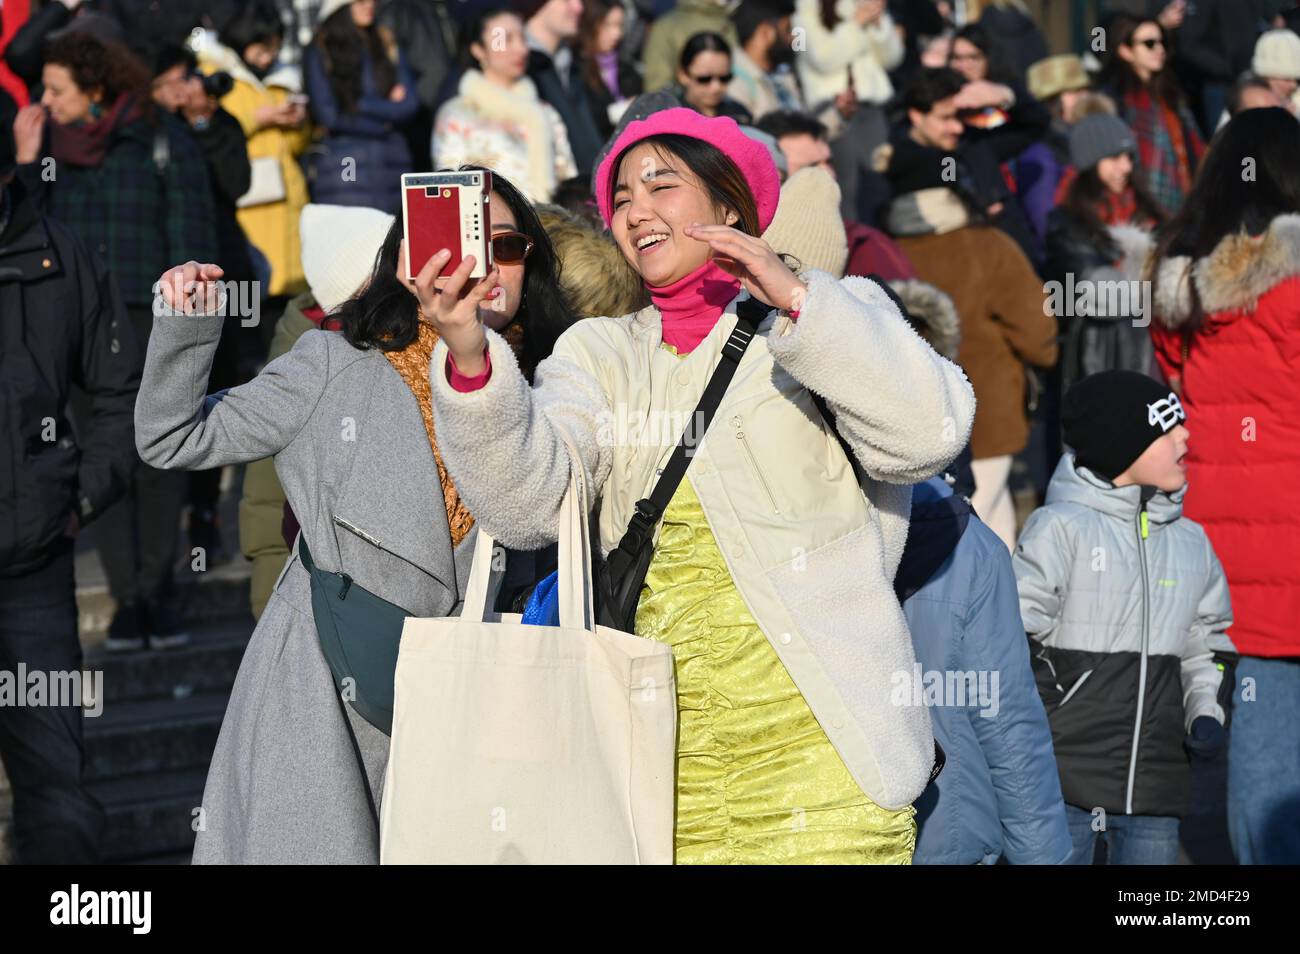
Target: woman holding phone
(771, 575)
(297, 772)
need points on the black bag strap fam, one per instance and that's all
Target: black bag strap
(650, 509)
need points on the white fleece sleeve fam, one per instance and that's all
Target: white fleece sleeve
(502, 446)
(905, 411)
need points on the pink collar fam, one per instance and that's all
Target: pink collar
(691, 306)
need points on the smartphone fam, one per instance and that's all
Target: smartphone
(447, 210)
(296, 99)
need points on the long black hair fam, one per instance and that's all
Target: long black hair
(1225, 200)
(1118, 75)
(255, 22)
(1086, 193)
(996, 68)
(473, 28)
(705, 42)
(344, 49)
(385, 315)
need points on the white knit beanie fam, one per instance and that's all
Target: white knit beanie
(1277, 55)
(339, 245)
(807, 223)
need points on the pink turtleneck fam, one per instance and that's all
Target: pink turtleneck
(692, 305)
(690, 308)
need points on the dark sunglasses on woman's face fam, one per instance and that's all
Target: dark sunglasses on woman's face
(706, 80)
(511, 248)
(1150, 44)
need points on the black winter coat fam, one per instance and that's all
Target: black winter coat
(61, 323)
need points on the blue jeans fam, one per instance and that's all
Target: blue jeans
(55, 820)
(1129, 839)
(1264, 762)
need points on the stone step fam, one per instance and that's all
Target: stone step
(208, 664)
(220, 593)
(150, 816)
(153, 735)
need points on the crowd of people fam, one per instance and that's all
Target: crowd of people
(991, 265)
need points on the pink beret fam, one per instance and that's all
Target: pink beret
(751, 158)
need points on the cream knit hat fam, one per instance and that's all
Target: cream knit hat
(1277, 55)
(808, 225)
(339, 245)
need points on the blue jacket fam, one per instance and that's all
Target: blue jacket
(371, 136)
(998, 794)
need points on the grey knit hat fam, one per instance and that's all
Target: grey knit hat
(1097, 137)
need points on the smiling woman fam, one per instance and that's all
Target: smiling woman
(788, 749)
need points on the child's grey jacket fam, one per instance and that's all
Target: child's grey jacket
(1127, 604)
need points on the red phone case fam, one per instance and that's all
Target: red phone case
(442, 212)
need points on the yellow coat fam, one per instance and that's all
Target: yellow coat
(272, 227)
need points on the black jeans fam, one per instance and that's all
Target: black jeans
(137, 537)
(56, 821)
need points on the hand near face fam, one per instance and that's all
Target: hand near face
(760, 270)
(29, 127)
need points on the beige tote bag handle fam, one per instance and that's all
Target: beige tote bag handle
(577, 590)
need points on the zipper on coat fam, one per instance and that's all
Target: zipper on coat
(758, 471)
(1143, 528)
(1075, 688)
(370, 539)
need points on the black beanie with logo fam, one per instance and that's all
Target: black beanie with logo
(1111, 417)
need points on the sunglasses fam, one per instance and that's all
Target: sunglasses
(706, 80)
(511, 248)
(1150, 44)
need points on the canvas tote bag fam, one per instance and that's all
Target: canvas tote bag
(524, 744)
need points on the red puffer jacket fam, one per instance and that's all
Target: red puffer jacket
(1237, 377)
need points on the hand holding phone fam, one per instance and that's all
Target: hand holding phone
(451, 304)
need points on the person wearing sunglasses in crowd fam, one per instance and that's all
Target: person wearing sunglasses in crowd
(297, 771)
(1138, 77)
(703, 75)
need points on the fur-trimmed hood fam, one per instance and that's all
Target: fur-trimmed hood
(1233, 276)
(594, 274)
(933, 314)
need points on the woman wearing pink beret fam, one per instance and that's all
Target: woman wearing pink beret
(772, 564)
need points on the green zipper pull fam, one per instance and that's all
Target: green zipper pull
(1144, 524)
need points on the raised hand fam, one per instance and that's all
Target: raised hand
(750, 259)
(29, 126)
(451, 304)
(192, 288)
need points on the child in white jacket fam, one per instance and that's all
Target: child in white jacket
(1125, 603)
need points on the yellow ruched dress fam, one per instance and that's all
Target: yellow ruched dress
(758, 781)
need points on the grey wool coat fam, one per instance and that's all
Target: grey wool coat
(287, 784)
